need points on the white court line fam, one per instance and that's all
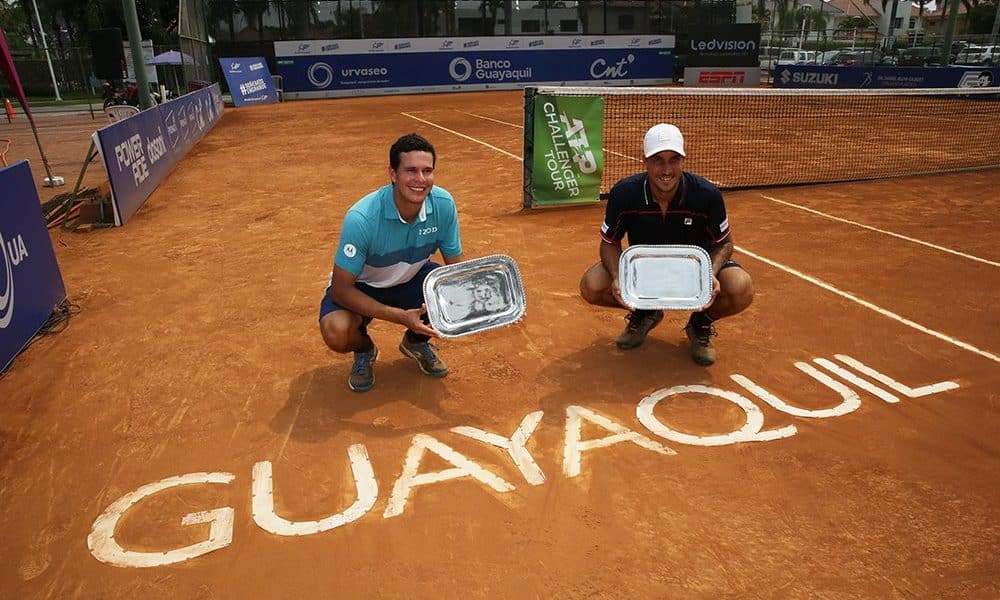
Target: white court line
(813, 280)
(462, 135)
(886, 313)
(522, 127)
(895, 235)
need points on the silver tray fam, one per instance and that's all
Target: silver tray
(474, 295)
(665, 277)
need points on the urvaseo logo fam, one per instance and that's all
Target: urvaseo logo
(472, 44)
(302, 48)
(460, 69)
(330, 47)
(13, 252)
(722, 77)
(320, 75)
(235, 67)
(535, 43)
(600, 69)
(402, 45)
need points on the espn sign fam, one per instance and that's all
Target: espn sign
(722, 77)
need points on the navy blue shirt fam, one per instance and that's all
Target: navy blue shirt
(696, 216)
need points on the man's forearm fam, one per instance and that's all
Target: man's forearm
(720, 254)
(610, 254)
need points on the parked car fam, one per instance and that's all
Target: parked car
(826, 58)
(797, 57)
(920, 56)
(988, 56)
(856, 58)
(768, 56)
(967, 55)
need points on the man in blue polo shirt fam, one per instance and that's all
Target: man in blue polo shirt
(382, 259)
(667, 205)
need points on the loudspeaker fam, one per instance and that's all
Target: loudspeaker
(108, 57)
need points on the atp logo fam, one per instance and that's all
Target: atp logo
(13, 252)
(235, 67)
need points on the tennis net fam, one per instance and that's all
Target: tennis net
(742, 137)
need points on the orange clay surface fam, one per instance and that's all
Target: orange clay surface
(196, 350)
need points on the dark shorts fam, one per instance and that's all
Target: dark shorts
(405, 295)
(731, 263)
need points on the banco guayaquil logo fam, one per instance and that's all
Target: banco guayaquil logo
(13, 252)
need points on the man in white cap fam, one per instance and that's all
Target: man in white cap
(667, 205)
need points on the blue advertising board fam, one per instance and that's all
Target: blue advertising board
(249, 80)
(834, 77)
(31, 286)
(140, 151)
(316, 69)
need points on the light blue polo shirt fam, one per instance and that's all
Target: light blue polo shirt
(383, 250)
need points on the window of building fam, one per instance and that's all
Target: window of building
(531, 26)
(626, 22)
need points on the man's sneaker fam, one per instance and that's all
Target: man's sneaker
(640, 322)
(423, 353)
(701, 343)
(362, 376)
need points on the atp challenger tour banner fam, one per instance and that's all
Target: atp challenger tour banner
(31, 286)
(567, 159)
(326, 68)
(140, 151)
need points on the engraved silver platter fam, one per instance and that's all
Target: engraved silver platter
(474, 295)
(665, 277)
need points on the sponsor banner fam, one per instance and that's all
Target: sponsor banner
(722, 77)
(615, 60)
(467, 44)
(31, 286)
(724, 46)
(568, 158)
(140, 151)
(249, 80)
(796, 76)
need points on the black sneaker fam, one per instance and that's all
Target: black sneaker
(701, 343)
(362, 377)
(640, 322)
(423, 353)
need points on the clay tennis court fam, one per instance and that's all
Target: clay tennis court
(196, 351)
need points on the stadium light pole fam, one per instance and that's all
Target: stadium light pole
(950, 32)
(45, 46)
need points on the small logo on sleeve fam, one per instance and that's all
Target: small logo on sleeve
(688, 220)
(604, 227)
(724, 226)
(350, 251)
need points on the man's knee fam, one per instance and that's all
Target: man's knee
(594, 284)
(336, 329)
(738, 286)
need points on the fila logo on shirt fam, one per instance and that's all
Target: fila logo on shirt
(688, 221)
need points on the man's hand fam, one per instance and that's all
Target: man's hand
(616, 291)
(716, 287)
(412, 320)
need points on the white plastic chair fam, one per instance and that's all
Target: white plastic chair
(120, 112)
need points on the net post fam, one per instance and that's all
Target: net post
(529, 145)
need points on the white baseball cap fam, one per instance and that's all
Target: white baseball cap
(663, 137)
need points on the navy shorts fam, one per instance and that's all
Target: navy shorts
(731, 263)
(405, 295)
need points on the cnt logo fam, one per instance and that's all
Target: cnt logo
(13, 252)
